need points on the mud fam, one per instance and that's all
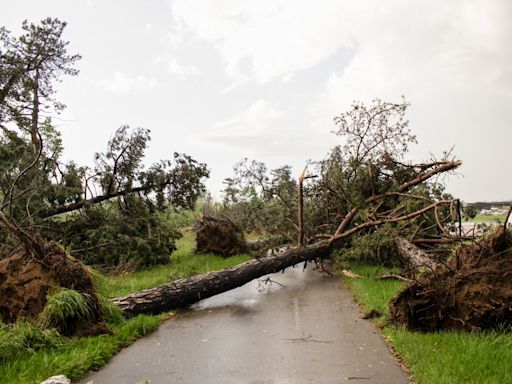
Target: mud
(303, 328)
(26, 281)
(473, 291)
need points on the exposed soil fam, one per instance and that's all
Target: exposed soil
(472, 291)
(25, 281)
(219, 236)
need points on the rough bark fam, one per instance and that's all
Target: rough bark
(184, 292)
(413, 256)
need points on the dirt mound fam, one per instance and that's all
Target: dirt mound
(473, 291)
(219, 236)
(26, 281)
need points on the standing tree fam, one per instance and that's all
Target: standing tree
(29, 66)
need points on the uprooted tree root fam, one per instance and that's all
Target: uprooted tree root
(219, 236)
(473, 291)
(26, 281)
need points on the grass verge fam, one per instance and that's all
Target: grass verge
(70, 357)
(435, 358)
(29, 354)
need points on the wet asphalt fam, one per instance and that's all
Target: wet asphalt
(303, 327)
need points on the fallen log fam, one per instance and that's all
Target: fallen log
(412, 256)
(393, 276)
(184, 292)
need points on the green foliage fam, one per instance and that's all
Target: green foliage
(110, 214)
(369, 164)
(469, 212)
(256, 199)
(64, 306)
(107, 235)
(376, 246)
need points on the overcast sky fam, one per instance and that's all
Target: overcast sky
(223, 80)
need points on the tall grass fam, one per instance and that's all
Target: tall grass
(22, 338)
(436, 358)
(64, 306)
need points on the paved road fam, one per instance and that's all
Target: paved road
(306, 330)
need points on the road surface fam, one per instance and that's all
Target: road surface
(302, 328)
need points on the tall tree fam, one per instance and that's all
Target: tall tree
(29, 67)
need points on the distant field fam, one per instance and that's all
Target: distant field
(487, 219)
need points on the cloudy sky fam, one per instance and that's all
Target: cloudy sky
(227, 79)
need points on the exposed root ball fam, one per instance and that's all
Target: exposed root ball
(219, 236)
(473, 291)
(26, 281)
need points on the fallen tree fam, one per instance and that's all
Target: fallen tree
(219, 236)
(184, 292)
(412, 257)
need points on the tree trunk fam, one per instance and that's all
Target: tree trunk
(184, 292)
(413, 256)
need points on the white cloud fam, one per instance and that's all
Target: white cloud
(265, 131)
(182, 71)
(250, 128)
(277, 36)
(248, 131)
(123, 84)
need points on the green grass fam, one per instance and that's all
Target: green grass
(64, 305)
(487, 219)
(73, 357)
(184, 263)
(29, 354)
(436, 358)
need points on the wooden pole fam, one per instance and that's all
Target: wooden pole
(300, 212)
